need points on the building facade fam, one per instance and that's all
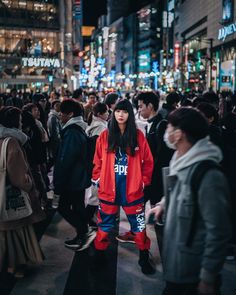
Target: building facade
(29, 43)
(206, 32)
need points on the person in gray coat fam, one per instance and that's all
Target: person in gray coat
(54, 130)
(195, 268)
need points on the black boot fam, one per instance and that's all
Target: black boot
(145, 263)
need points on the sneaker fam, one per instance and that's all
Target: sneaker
(127, 237)
(81, 243)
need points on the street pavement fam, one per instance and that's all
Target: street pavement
(64, 272)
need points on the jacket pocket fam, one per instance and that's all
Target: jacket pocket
(185, 203)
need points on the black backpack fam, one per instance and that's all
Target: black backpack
(197, 176)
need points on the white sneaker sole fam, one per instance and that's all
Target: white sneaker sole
(122, 241)
(91, 237)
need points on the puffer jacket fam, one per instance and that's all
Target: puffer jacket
(70, 171)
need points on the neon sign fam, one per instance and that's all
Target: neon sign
(41, 62)
(226, 31)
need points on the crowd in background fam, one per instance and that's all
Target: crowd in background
(41, 118)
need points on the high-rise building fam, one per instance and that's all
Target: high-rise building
(30, 50)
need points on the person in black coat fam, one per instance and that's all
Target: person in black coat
(71, 174)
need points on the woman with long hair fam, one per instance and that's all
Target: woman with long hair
(123, 166)
(18, 242)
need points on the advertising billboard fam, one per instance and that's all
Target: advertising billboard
(227, 11)
(227, 73)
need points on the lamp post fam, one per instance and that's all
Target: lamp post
(211, 60)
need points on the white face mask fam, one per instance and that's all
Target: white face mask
(167, 142)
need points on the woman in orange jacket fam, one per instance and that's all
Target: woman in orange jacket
(123, 166)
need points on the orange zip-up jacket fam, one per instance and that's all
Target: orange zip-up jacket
(140, 167)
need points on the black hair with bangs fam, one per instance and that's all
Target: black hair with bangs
(128, 140)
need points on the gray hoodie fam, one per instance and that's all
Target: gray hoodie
(13, 132)
(78, 121)
(97, 126)
(205, 258)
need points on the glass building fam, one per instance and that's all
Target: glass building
(28, 29)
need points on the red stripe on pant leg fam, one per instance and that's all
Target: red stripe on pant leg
(101, 241)
(142, 241)
(136, 209)
(108, 208)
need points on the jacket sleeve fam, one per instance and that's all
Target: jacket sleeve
(17, 167)
(147, 163)
(70, 151)
(53, 129)
(214, 209)
(97, 160)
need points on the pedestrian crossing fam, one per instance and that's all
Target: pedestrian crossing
(64, 272)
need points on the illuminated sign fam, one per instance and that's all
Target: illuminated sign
(227, 11)
(144, 59)
(177, 55)
(41, 62)
(87, 31)
(226, 31)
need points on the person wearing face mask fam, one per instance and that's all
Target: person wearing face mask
(192, 266)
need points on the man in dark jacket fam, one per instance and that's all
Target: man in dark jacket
(70, 175)
(148, 106)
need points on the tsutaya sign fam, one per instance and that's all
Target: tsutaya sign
(226, 31)
(41, 62)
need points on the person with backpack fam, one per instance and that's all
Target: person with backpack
(97, 123)
(71, 174)
(123, 166)
(196, 208)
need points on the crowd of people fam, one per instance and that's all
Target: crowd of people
(95, 153)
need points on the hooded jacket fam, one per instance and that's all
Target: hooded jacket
(205, 258)
(140, 167)
(71, 167)
(97, 126)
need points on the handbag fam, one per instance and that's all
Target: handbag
(14, 202)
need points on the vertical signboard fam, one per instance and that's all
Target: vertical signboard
(78, 21)
(176, 55)
(227, 11)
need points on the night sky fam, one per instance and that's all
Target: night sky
(92, 9)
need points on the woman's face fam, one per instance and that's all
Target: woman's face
(104, 116)
(35, 112)
(121, 116)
